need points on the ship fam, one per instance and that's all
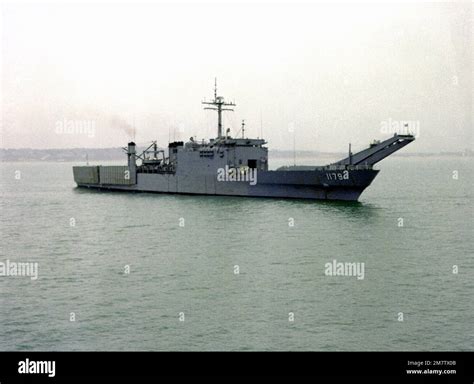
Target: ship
(236, 166)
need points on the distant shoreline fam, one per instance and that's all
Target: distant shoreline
(117, 154)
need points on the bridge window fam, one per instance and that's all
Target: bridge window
(252, 163)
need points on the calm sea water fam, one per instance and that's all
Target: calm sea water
(189, 271)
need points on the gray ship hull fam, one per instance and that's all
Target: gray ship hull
(323, 184)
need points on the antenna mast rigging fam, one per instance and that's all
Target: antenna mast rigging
(217, 105)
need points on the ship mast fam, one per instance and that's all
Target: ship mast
(217, 105)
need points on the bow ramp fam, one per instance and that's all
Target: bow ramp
(377, 151)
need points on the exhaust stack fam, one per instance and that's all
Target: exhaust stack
(132, 156)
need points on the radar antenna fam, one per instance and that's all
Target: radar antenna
(217, 105)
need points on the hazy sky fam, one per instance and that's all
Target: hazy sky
(83, 75)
